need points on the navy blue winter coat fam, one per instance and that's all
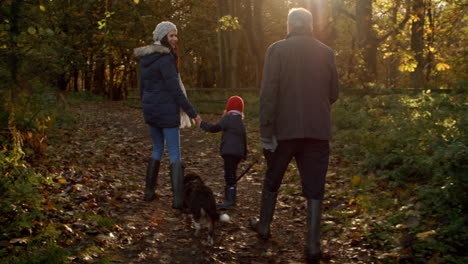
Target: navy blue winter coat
(160, 90)
(234, 139)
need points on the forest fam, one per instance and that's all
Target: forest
(73, 143)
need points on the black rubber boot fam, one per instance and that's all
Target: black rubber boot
(151, 179)
(229, 197)
(267, 209)
(177, 181)
(312, 250)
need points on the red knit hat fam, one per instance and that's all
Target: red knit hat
(235, 103)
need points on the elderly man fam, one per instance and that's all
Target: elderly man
(299, 85)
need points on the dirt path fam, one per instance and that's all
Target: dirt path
(110, 149)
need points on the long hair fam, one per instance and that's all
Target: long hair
(165, 43)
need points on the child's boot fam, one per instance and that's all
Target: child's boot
(229, 198)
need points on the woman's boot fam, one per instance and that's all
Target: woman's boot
(177, 181)
(312, 250)
(151, 179)
(229, 197)
(267, 209)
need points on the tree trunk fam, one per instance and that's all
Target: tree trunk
(112, 89)
(76, 78)
(254, 34)
(14, 32)
(99, 77)
(229, 45)
(417, 43)
(222, 56)
(87, 74)
(366, 39)
(430, 54)
(393, 65)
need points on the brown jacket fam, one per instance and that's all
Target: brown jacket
(299, 84)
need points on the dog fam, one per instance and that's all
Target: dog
(200, 202)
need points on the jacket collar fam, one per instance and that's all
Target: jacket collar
(234, 112)
(300, 33)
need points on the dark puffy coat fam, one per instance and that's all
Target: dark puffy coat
(299, 84)
(234, 139)
(160, 90)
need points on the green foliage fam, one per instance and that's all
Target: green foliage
(102, 221)
(229, 23)
(87, 42)
(83, 97)
(20, 202)
(213, 100)
(23, 210)
(49, 255)
(27, 118)
(417, 144)
(402, 138)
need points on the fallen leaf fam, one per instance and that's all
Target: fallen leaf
(426, 235)
(49, 206)
(92, 205)
(356, 181)
(23, 240)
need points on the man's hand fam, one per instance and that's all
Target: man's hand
(269, 143)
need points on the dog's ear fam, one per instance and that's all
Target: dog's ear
(190, 177)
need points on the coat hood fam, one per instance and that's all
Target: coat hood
(155, 50)
(146, 50)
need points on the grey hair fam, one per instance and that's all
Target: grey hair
(300, 18)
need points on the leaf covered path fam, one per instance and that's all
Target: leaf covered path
(103, 165)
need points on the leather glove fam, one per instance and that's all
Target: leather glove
(269, 143)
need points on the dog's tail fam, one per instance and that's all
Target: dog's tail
(224, 218)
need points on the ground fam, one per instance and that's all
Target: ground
(103, 165)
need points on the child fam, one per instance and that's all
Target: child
(233, 145)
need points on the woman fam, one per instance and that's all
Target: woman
(162, 97)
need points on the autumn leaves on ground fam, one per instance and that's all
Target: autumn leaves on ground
(97, 207)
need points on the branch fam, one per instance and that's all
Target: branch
(346, 13)
(399, 28)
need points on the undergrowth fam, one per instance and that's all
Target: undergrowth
(29, 232)
(414, 147)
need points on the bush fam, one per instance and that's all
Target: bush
(419, 141)
(26, 118)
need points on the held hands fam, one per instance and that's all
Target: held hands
(197, 120)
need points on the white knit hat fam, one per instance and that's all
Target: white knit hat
(162, 29)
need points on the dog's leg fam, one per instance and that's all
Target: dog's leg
(196, 221)
(210, 232)
(197, 227)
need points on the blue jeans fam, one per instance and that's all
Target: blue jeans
(171, 137)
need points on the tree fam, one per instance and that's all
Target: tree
(253, 27)
(366, 39)
(228, 42)
(87, 45)
(417, 42)
(14, 33)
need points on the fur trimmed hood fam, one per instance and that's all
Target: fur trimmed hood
(146, 50)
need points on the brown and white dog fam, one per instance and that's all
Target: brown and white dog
(200, 202)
